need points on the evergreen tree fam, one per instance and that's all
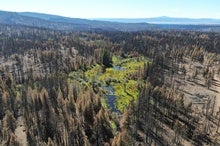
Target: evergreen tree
(107, 59)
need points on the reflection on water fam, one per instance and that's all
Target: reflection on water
(118, 68)
(111, 98)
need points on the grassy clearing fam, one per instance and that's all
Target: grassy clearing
(124, 86)
(119, 78)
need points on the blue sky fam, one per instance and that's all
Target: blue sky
(117, 8)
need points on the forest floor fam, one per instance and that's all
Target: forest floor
(217, 88)
(20, 132)
(195, 90)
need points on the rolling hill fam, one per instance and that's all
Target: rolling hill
(64, 23)
(76, 24)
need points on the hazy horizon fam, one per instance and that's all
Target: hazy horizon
(117, 9)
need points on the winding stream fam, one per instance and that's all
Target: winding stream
(110, 95)
(111, 98)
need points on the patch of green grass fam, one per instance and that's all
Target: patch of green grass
(116, 59)
(104, 103)
(113, 126)
(93, 72)
(131, 88)
(125, 92)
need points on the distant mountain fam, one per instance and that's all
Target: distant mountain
(14, 18)
(56, 18)
(165, 20)
(65, 23)
(122, 20)
(76, 24)
(170, 20)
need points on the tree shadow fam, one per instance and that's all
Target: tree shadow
(199, 84)
(216, 84)
(214, 90)
(184, 91)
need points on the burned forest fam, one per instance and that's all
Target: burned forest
(110, 88)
